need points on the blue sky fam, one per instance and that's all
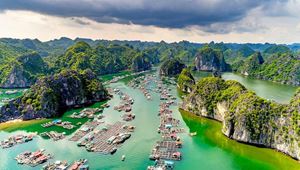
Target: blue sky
(153, 20)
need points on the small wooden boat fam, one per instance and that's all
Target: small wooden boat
(193, 133)
(123, 158)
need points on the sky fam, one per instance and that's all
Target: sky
(274, 21)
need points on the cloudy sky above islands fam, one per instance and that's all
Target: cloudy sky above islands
(153, 20)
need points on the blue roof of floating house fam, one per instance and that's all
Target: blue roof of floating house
(56, 121)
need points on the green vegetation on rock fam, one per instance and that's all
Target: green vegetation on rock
(52, 95)
(277, 49)
(22, 71)
(109, 57)
(282, 68)
(171, 67)
(210, 59)
(185, 81)
(102, 60)
(247, 117)
(141, 62)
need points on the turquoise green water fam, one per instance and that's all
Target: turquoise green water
(269, 90)
(208, 150)
(3, 95)
(266, 89)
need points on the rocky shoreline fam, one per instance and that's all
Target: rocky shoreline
(246, 117)
(51, 96)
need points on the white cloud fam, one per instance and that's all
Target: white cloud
(257, 28)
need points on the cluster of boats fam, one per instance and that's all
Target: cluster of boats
(128, 117)
(63, 165)
(118, 139)
(165, 95)
(87, 112)
(169, 80)
(142, 83)
(54, 135)
(57, 122)
(17, 139)
(125, 105)
(166, 150)
(164, 92)
(108, 139)
(33, 158)
(117, 78)
(126, 101)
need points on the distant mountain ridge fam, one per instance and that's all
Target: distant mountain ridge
(58, 46)
(106, 56)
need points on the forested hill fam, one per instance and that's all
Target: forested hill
(11, 47)
(19, 56)
(245, 116)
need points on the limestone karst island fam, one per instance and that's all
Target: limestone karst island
(150, 85)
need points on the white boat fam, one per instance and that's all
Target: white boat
(193, 133)
(123, 157)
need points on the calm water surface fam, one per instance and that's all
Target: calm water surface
(266, 89)
(208, 150)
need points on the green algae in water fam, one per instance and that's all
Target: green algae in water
(210, 139)
(210, 149)
(108, 77)
(35, 125)
(266, 89)
(281, 93)
(9, 96)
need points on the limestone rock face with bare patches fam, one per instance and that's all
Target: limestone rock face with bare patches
(51, 96)
(247, 117)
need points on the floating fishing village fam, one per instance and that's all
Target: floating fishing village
(95, 135)
(149, 85)
(15, 140)
(106, 128)
(167, 149)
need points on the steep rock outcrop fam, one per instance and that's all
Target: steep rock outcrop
(53, 95)
(101, 59)
(281, 68)
(140, 62)
(247, 117)
(23, 71)
(209, 59)
(252, 64)
(185, 81)
(171, 67)
(17, 77)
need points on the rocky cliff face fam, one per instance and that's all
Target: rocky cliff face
(252, 64)
(52, 96)
(141, 62)
(185, 81)
(247, 117)
(23, 71)
(281, 68)
(171, 67)
(208, 59)
(17, 78)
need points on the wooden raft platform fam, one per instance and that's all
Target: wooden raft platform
(107, 140)
(84, 130)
